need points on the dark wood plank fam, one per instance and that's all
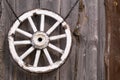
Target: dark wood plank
(113, 40)
(2, 66)
(6, 18)
(2, 36)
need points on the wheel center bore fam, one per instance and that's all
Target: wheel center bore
(40, 40)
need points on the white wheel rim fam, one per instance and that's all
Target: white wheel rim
(19, 59)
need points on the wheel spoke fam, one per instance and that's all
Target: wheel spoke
(42, 24)
(32, 24)
(24, 32)
(48, 56)
(22, 42)
(53, 28)
(24, 55)
(37, 56)
(57, 37)
(55, 48)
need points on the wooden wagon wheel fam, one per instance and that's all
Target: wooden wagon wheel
(39, 40)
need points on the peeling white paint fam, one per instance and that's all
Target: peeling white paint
(52, 65)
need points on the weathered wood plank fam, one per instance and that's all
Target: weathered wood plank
(92, 40)
(101, 40)
(7, 62)
(68, 70)
(2, 35)
(81, 47)
(113, 40)
(2, 66)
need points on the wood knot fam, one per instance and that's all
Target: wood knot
(76, 33)
(115, 3)
(81, 6)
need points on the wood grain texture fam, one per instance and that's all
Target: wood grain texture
(113, 40)
(102, 39)
(86, 59)
(67, 71)
(2, 66)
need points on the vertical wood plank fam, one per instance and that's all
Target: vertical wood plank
(113, 39)
(92, 40)
(82, 46)
(101, 41)
(2, 67)
(2, 34)
(7, 18)
(67, 71)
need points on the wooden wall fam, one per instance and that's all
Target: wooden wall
(86, 60)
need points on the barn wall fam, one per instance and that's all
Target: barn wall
(86, 60)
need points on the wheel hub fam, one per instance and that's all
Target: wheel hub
(40, 40)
